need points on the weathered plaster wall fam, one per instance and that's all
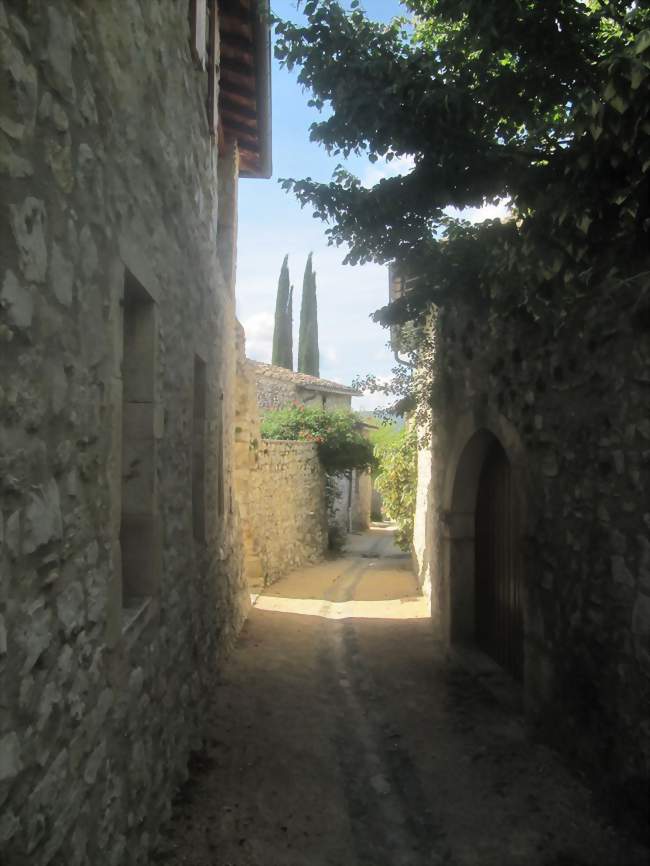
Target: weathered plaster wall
(570, 409)
(280, 491)
(362, 483)
(328, 401)
(352, 499)
(106, 166)
(423, 552)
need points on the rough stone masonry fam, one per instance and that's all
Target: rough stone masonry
(120, 576)
(280, 489)
(569, 406)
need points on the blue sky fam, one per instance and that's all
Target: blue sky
(271, 223)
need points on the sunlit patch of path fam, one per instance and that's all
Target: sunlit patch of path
(394, 608)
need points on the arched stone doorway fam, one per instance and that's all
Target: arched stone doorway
(497, 580)
(484, 523)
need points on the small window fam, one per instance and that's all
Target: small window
(213, 70)
(221, 497)
(138, 525)
(198, 27)
(198, 450)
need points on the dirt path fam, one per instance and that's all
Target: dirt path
(341, 737)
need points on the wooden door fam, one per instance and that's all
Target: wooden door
(498, 597)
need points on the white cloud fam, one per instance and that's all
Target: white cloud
(382, 169)
(369, 402)
(376, 400)
(478, 214)
(259, 336)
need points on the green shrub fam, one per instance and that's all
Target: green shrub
(396, 479)
(338, 434)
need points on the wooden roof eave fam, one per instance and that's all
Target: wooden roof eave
(245, 83)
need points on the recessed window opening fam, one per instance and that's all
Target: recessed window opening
(198, 450)
(221, 497)
(137, 527)
(199, 28)
(213, 69)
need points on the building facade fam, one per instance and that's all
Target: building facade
(124, 127)
(278, 387)
(280, 490)
(531, 531)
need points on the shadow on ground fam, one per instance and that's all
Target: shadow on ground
(349, 740)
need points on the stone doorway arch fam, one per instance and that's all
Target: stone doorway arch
(484, 520)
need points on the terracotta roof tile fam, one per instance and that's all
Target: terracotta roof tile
(302, 380)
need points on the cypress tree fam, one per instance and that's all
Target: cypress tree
(283, 329)
(308, 354)
(289, 330)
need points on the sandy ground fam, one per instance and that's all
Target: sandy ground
(341, 737)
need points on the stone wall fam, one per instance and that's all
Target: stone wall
(277, 388)
(280, 492)
(274, 393)
(569, 406)
(326, 400)
(287, 506)
(426, 514)
(108, 184)
(362, 485)
(351, 507)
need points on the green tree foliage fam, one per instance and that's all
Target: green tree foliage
(308, 353)
(338, 435)
(543, 104)
(396, 478)
(384, 435)
(283, 329)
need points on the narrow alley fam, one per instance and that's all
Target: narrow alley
(272, 273)
(341, 736)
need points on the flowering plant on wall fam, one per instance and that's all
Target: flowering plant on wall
(338, 434)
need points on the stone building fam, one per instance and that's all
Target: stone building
(278, 387)
(280, 491)
(124, 127)
(531, 530)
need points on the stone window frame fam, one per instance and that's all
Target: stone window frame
(220, 456)
(140, 560)
(132, 261)
(199, 447)
(213, 70)
(199, 31)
